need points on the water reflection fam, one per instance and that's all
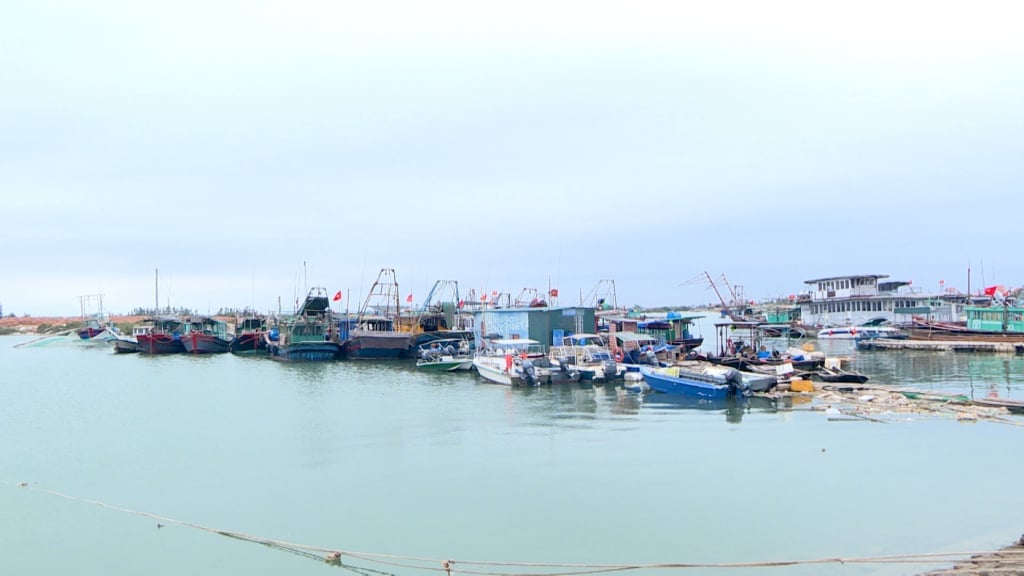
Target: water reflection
(976, 375)
(732, 408)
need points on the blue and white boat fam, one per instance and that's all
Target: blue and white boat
(875, 328)
(697, 379)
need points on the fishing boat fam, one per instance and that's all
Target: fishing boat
(97, 326)
(163, 337)
(998, 322)
(440, 317)
(206, 335)
(377, 333)
(250, 332)
(125, 344)
(445, 355)
(674, 330)
(697, 379)
(634, 348)
(310, 335)
(520, 362)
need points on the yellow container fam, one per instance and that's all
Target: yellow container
(801, 386)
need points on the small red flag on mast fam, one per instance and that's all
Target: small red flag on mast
(337, 295)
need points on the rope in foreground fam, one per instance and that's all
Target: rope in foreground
(334, 556)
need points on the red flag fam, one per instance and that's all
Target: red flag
(337, 295)
(553, 292)
(462, 303)
(483, 297)
(990, 291)
(408, 298)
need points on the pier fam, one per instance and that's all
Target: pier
(1008, 560)
(941, 345)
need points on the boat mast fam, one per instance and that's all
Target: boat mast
(156, 287)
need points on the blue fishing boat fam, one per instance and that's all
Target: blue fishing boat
(697, 379)
(310, 335)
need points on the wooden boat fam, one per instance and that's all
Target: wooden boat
(164, 336)
(206, 335)
(674, 330)
(839, 375)
(445, 355)
(250, 336)
(376, 333)
(1012, 406)
(697, 379)
(310, 335)
(634, 348)
(994, 323)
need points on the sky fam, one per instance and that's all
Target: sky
(238, 153)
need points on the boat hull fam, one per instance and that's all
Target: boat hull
(381, 345)
(305, 351)
(445, 365)
(493, 372)
(125, 345)
(695, 384)
(249, 344)
(160, 344)
(196, 343)
(88, 332)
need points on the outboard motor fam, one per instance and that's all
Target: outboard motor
(736, 384)
(530, 373)
(610, 369)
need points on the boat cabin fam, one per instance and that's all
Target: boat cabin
(853, 300)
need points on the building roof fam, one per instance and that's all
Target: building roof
(848, 277)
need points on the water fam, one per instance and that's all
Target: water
(377, 457)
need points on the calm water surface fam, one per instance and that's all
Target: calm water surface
(378, 457)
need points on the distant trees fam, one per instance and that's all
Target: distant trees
(176, 311)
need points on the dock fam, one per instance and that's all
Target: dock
(1008, 560)
(941, 345)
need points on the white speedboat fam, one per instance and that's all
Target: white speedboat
(520, 362)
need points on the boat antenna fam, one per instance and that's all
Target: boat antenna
(156, 286)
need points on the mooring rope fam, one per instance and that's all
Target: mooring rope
(334, 557)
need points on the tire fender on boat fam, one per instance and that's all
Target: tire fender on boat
(619, 355)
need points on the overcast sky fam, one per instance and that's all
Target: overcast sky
(249, 150)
